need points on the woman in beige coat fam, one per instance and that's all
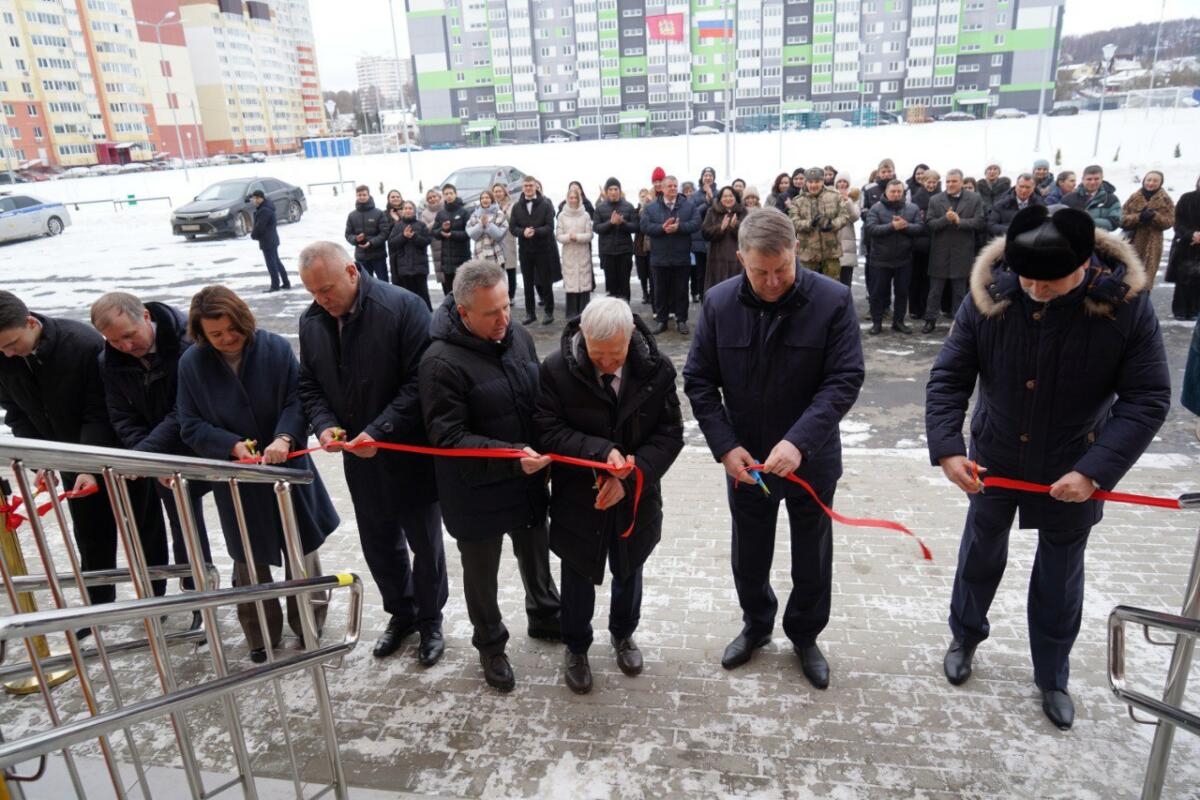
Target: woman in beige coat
(846, 232)
(428, 214)
(1146, 214)
(574, 233)
(504, 201)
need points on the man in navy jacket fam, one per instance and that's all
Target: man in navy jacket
(1063, 342)
(266, 233)
(361, 343)
(670, 222)
(776, 363)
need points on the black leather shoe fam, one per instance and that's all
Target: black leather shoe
(270, 290)
(876, 329)
(197, 621)
(660, 328)
(431, 648)
(83, 633)
(629, 658)
(930, 326)
(529, 320)
(738, 651)
(1059, 708)
(285, 287)
(548, 320)
(579, 673)
(813, 665)
(682, 328)
(258, 655)
(498, 672)
(545, 631)
(393, 637)
(957, 663)
(900, 327)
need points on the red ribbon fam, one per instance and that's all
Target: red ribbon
(1099, 494)
(510, 453)
(854, 522)
(13, 520)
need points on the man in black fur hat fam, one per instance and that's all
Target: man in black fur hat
(1062, 339)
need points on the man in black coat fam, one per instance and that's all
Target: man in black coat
(615, 223)
(1020, 197)
(953, 219)
(478, 382)
(670, 222)
(606, 395)
(531, 223)
(50, 388)
(1061, 338)
(361, 342)
(367, 228)
(776, 363)
(892, 225)
(139, 367)
(450, 226)
(266, 233)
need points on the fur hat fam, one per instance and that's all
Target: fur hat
(814, 174)
(658, 174)
(1044, 247)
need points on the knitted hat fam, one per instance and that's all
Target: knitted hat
(1041, 163)
(1044, 247)
(610, 183)
(751, 191)
(814, 174)
(658, 174)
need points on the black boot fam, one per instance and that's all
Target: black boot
(578, 673)
(393, 636)
(529, 320)
(814, 665)
(1058, 708)
(660, 328)
(900, 327)
(876, 328)
(738, 651)
(957, 663)
(498, 672)
(930, 326)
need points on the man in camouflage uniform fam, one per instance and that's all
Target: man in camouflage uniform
(818, 214)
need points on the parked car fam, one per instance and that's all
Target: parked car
(957, 116)
(471, 181)
(23, 217)
(258, 158)
(135, 166)
(558, 138)
(226, 207)
(834, 122)
(77, 172)
(1009, 113)
(12, 177)
(1064, 111)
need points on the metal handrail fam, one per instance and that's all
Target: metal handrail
(109, 577)
(40, 454)
(1181, 626)
(24, 668)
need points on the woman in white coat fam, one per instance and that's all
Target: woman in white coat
(574, 233)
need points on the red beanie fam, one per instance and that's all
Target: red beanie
(658, 174)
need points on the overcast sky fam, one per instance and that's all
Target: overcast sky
(342, 37)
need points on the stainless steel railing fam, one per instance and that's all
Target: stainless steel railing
(1167, 712)
(115, 716)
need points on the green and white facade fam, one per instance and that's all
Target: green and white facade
(523, 70)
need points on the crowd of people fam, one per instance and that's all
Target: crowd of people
(1053, 323)
(917, 240)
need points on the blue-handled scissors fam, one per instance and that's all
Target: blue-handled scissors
(758, 479)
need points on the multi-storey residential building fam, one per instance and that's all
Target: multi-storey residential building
(72, 87)
(162, 52)
(381, 82)
(522, 69)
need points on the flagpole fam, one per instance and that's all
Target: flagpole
(687, 129)
(728, 84)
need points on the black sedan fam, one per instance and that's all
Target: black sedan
(226, 207)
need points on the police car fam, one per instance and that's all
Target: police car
(24, 217)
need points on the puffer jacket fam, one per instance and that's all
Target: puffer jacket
(489, 239)
(409, 255)
(577, 254)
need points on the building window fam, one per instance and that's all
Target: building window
(165, 66)
(32, 110)
(37, 134)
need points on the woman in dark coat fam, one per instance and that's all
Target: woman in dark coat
(1183, 265)
(779, 192)
(408, 251)
(238, 385)
(720, 228)
(641, 247)
(916, 183)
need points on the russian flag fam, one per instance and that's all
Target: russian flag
(715, 29)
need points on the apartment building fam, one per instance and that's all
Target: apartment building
(523, 70)
(381, 81)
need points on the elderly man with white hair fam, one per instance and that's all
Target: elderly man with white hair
(607, 394)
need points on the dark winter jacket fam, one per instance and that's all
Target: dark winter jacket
(576, 417)
(674, 249)
(1104, 207)
(408, 256)
(952, 247)
(217, 409)
(456, 248)
(722, 244)
(141, 399)
(364, 379)
(1080, 383)
(891, 248)
(265, 230)
(700, 207)
(990, 192)
(538, 253)
(615, 240)
(477, 393)
(56, 393)
(373, 224)
(1190, 396)
(1002, 213)
(874, 193)
(1184, 261)
(759, 373)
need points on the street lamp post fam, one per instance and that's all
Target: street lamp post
(1108, 51)
(170, 15)
(403, 100)
(1050, 77)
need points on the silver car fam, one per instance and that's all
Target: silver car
(24, 217)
